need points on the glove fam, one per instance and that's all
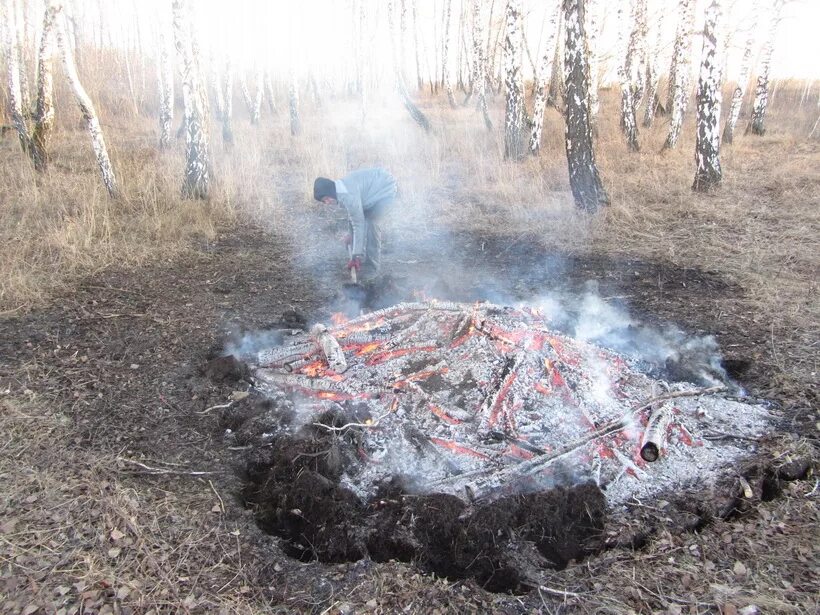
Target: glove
(355, 263)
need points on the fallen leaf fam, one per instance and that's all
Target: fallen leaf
(114, 551)
(239, 395)
(30, 609)
(749, 609)
(122, 592)
(116, 535)
(729, 609)
(739, 569)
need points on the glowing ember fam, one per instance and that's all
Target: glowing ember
(487, 399)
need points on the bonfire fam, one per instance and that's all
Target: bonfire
(482, 401)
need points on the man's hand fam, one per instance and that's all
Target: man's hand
(355, 263)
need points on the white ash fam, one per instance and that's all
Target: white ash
(491, 400)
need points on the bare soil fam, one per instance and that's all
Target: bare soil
(126, 361)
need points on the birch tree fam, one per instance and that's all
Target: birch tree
(541, 76)
(514, 83)
(740, 87)
(631, 72)
(256, 111)
(399, 83)
(584, 180)
(679, 71)
(44, 111)
(293, 105)
(227, 114)
(197, 167)
(653, 78)
(707, 146)
(557, 81)
(446, 77)
(757, 125)
(480, 65)
(166, 88)
(15, 97)
(84, 102)
(591, 30)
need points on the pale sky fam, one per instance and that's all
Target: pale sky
(318, 35)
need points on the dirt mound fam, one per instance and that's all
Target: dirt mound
(293, 487)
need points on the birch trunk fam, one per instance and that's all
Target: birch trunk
(44, 112)
(197, 168)
(85, 104)
(445, 66)
(256, 112)
(707, 147)
(757, 125)
(21, 33)
(584, 180)
(419, 78)
(227, 115)
(401, 89)
(540, 98)
(653, 78)
(514, 83)
(629, 72)
(15, 100)
(219, 93)
(680, 71)
(557, 82)
(480, 65)
(293, 105)
(737, 93)
(166, 89)
(591, 30)
(269, 93)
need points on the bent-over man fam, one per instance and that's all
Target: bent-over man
(367, 195)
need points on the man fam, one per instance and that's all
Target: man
(367, 195)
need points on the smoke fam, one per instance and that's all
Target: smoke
(667, 352)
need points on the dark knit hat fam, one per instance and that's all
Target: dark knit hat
(323, 187)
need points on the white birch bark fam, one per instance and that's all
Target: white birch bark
(679, 74)
(85, 104)
(653, 77)
(757, 124)
(269, 95)
(15, 100)
(587, 190)
(556, 84)
(480, 65)
(544, 70)
(591, 29)
(445, 60)
(399, 84)
(740, 88)
(256, 113)
(628, 31)
(293, 105)
(707, 147)
(216, 87)
(21, 33)
(227, 115)
(513, 82)
(166, 88)
(44, 111)
(197, 181)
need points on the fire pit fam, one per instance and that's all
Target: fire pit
(474, 440)
(482, 401)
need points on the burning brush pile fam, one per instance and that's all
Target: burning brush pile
(426, 431)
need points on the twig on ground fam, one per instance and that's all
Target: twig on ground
(152, 470)
(557, 592)
(349, 425)
(217, 407)
(218, 497)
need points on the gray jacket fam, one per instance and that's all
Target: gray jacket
(362, 193)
